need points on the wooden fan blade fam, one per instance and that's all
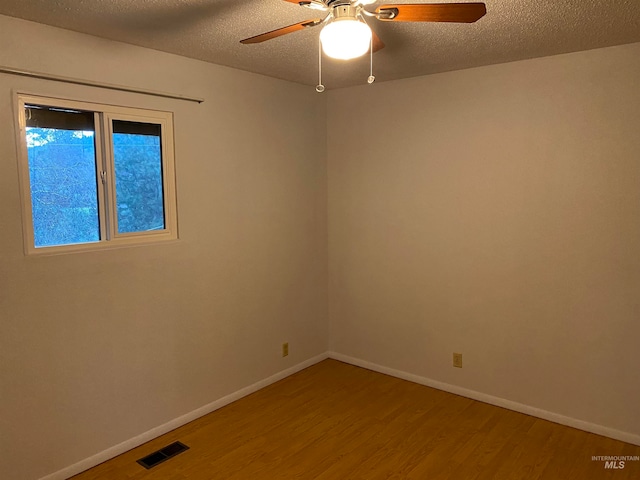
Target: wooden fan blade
(292, 1)
(433, 12)
(377, 43)
(263, 37)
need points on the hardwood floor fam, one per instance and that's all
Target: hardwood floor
(336, 421)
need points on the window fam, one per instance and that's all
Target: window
(95, 176)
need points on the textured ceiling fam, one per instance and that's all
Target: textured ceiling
(210, 30)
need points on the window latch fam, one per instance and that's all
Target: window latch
(103, 177)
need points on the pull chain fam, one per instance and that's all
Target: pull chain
(320, 86)
(371, 78)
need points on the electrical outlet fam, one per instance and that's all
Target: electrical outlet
(285, 349)
(457, 360)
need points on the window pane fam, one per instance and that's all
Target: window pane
(138, 171)
(62, 174)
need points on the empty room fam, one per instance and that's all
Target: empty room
(324, 239)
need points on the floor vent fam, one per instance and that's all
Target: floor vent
(163, 454)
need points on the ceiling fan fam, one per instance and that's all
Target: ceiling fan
(346, 34)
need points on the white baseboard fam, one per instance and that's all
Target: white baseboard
(500, 402)
(116, 450)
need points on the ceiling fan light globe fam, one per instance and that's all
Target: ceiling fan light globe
(345, 39)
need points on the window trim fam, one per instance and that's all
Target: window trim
(107, 212)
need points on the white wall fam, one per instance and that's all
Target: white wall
(96, 348)
(495, 212)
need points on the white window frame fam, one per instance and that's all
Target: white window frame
(107, 211)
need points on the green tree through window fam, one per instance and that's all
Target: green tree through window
(139, 192)
(62, 173)
(96, 175)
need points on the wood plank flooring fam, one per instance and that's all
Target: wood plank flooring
(334, 421)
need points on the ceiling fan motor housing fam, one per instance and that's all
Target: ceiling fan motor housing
(333, 3)
(344, 11)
